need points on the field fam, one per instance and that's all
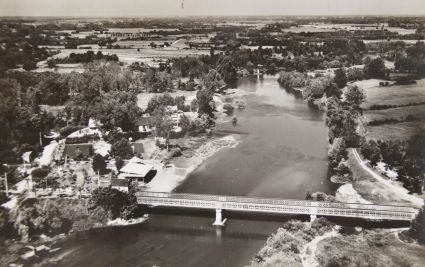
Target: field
(396, 131)
(393, 95)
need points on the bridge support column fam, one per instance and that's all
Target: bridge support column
(312, 218)
(219, 218)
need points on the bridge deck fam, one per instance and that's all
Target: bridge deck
(270, 205)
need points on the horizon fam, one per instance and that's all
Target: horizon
(195, 8)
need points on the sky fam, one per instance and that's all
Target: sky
(141, 8)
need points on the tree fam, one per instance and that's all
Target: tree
(122, 148)
(119, 163)
(354, 96)
(355, 74)
(117, 109)
(227, 70)
(39, 174)
(99, 164)
(340, 78)
(6, 227)
(160, 101)
(375, 68)
(29, 65)
(314, 89)
(333, 90)
(113, 201)
(212, 81)
(205, 102)
(413, 168)
(371, 151)
(184, 123)
(417, 228)
(250, 67)
(163, 123)
(337, 152)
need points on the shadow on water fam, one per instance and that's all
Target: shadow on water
(204, 213)
(278, 218)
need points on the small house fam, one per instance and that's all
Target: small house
(145, 125)
(137, 169)
(94, 124)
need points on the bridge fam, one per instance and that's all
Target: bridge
(278, 206)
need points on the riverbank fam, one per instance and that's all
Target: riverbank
(371, 186)
(196, 150)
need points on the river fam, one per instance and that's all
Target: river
(282, 154)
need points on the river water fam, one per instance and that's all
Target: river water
(282, 154)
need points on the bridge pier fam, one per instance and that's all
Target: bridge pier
(312, 218)
(219, 218)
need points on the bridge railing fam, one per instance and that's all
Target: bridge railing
(276, 208)
(273, 201)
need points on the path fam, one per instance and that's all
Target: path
(308, 254)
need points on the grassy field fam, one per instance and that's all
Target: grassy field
(396, 113)
(393, 95)
(396, 131)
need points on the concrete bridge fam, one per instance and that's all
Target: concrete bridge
(279, 206)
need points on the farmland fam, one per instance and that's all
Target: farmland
(393, 95)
